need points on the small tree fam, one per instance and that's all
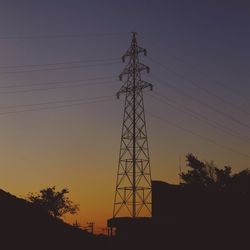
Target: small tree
(54, 202)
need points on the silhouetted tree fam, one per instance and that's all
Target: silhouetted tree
(201, 174)
(208, 175)
(54, 202)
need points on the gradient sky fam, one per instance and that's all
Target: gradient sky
(199, 57)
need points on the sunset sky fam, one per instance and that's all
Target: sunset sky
(59, 66)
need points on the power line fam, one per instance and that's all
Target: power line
(193, 68)
(59, 68)
(55, 102)
(199, 117)
(207, 105)
(56, 107)
(198, 86)
(57, 63)
(53, 36)
(19, 85)
(198, 135)
(56, 87)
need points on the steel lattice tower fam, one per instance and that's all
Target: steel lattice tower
(133, 185)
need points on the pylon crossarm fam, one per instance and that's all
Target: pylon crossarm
(145, 84)
(141, 67)
(129, 52)
(141, 50)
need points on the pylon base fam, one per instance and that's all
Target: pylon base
(127, 227)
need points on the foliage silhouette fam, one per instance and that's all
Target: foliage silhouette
(54, 202)
(207, 175)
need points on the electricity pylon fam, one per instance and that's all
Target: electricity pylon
(133, 185)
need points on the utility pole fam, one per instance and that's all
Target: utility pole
(91, 226)
(180, 170)
(133, 186)
(76, 224)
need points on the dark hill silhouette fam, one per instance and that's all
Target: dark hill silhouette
(25, 226)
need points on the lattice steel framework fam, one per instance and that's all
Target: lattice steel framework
(133, 185)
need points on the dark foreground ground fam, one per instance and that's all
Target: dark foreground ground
(210, 226)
